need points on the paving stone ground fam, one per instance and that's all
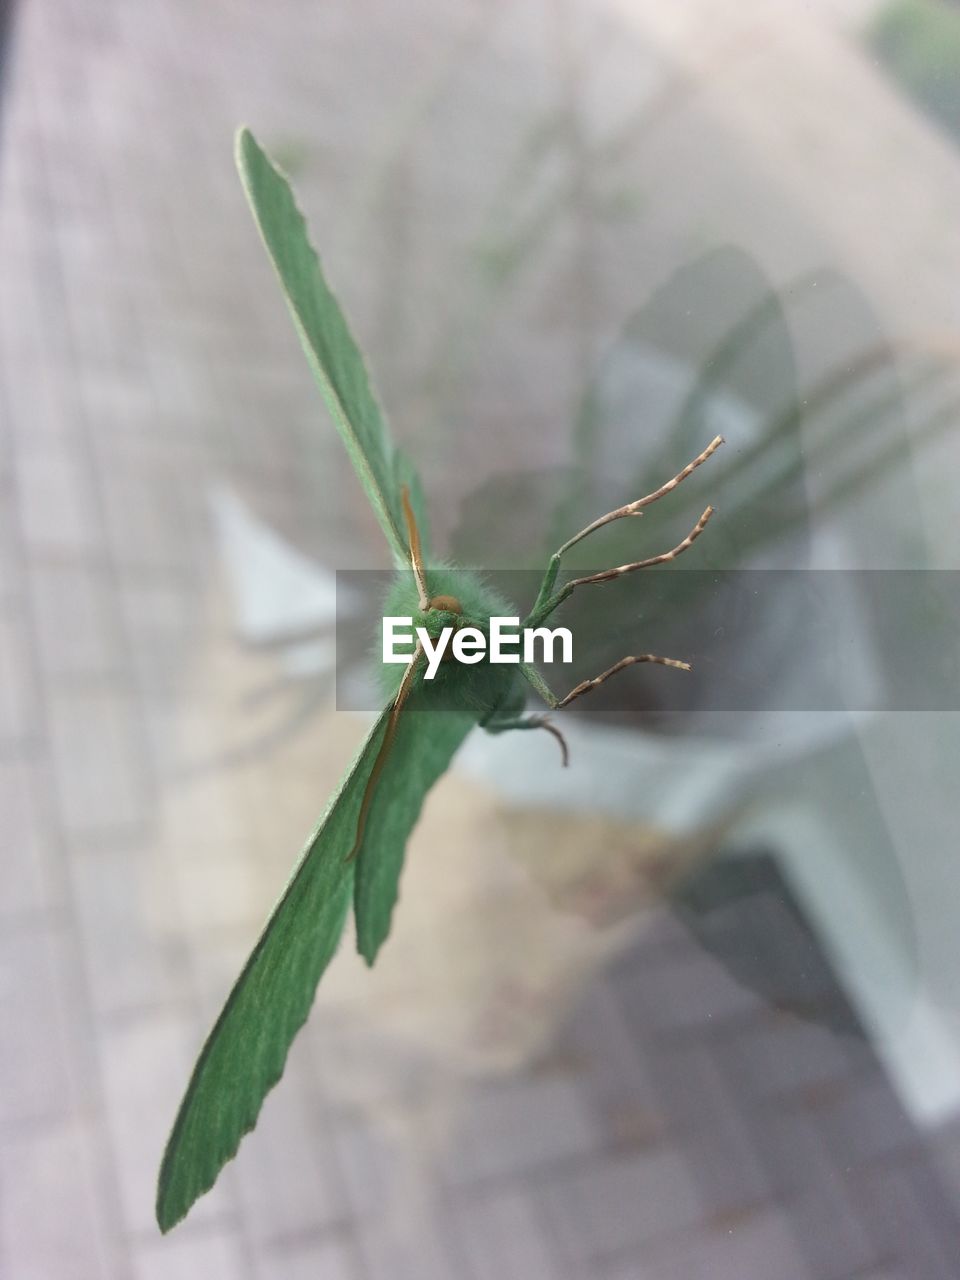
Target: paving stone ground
(673, 1123)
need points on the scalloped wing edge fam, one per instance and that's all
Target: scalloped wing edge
(169, 1214)
(248, 154)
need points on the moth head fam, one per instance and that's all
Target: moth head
(442, 611)
(446, 604)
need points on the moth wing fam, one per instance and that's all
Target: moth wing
(244, 1055)
(424, 744)
(331, 351)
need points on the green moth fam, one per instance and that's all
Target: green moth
(355, 854)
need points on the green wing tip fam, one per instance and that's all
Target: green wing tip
(167, 1218)
(174, 1200)
(171, 1206)
(244, 143)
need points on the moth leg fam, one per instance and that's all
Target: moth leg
(530, 722)
(406, 684)
(548, 600)
(538, 683)
(568, 588)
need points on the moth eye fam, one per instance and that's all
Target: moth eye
(446, 604)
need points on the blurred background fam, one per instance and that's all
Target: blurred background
(687, 1009)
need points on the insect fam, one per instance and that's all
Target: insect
(356, 851)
